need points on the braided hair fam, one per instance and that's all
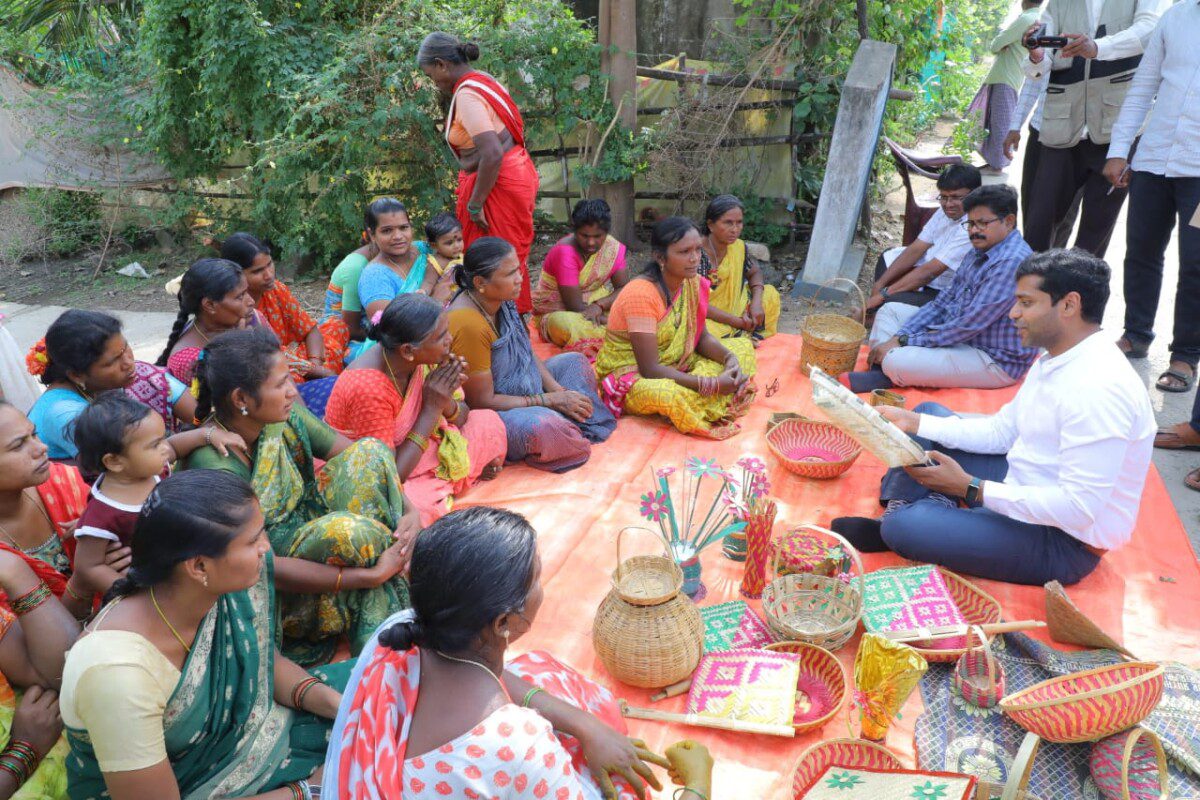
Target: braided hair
(208, 279)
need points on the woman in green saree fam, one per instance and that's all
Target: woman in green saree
(342, 532)
(177, 691)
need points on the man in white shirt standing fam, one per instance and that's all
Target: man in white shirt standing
(1054, 479)
(1164, 185)
(1087, 81)
(914, 275)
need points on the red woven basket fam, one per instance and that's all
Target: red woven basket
(821, 671)
(1089, 705)
(853, 753)
(812, 449)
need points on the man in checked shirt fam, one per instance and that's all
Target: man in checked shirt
(963, 338)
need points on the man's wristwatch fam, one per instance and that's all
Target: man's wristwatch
(974, 489)
(885, 293)
(902, 339)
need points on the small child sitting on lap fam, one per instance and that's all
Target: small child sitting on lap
(445, 236)
(125, 444)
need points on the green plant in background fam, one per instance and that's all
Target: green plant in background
(67, 222)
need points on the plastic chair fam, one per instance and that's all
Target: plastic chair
(917, 212)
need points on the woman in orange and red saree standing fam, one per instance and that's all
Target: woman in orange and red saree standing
(497, 181)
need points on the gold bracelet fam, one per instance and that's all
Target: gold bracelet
(76, 595)
(337, 587)
(420, 441)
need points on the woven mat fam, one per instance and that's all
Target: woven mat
(955, 736)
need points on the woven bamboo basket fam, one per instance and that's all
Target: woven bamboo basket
(978, 677)
(646, 632)
(812, 449)
(819, 669)
(831, 341)
(853, 753)
(814, 609)
(977, 607)
(1089, 705)
(1130, 766)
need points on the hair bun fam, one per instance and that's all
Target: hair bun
(404, 635)
(469, 51)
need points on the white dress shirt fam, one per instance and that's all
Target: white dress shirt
(949, 243)
(1078, 437)
(1032, 98)
(1170, 68)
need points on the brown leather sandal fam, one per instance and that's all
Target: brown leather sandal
(1181, 436)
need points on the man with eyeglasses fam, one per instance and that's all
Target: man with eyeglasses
(963, 338)
(915, 274)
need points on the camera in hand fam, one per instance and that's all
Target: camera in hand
(1040, 39)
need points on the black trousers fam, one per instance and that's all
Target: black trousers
(1155, 203)
(1063, 172)
(915, 298)
(1061, 235)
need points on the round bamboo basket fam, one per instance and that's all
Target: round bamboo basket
(812, 449)
(977, 607)
(831, 341)
(646, 631)
(854, 753)
(1089, 705)
(820, 666)
(814, 609)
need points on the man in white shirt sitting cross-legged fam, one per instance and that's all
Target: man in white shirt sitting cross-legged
(914, 275)
(1050, 482)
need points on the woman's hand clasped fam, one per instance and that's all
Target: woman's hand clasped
(570, 404)
(441, 384)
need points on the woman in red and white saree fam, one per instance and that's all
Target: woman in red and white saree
(433, 710)
(497, 180)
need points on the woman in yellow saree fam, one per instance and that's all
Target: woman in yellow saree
(572, 299)
(658, 357)
(741, 303)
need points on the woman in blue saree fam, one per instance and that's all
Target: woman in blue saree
(551, 411)
(177, 690)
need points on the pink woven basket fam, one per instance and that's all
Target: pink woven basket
(978, 676)
(821, 688)
(853, 753)
(812, 449)
(1089, 705)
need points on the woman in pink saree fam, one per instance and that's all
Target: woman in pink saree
(407, 393)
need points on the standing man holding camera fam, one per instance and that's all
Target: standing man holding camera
(1090, 48)
(1164, 186)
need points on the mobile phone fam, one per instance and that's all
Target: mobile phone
(1052, 42)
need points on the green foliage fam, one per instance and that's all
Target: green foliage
(318, 106)
(66, 222)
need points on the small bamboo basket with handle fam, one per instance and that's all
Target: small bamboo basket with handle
(815, 609)
(646, 632)
(1130, 766)
(978, 677)
(831, 341)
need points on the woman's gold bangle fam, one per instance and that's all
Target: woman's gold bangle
(337, 587)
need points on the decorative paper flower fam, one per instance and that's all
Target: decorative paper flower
(654, 506)
(758, 486)
(703, 467)
(729, 478)
(36, 359)
(734, 505)
(664, 472)
(752, 464)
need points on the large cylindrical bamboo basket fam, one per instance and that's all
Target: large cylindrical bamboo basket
(646, 632)
(831, 341)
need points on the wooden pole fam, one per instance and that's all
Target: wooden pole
(618, 61)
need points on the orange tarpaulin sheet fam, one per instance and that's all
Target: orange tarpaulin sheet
(578, 514)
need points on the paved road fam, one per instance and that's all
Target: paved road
(1168, 408)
